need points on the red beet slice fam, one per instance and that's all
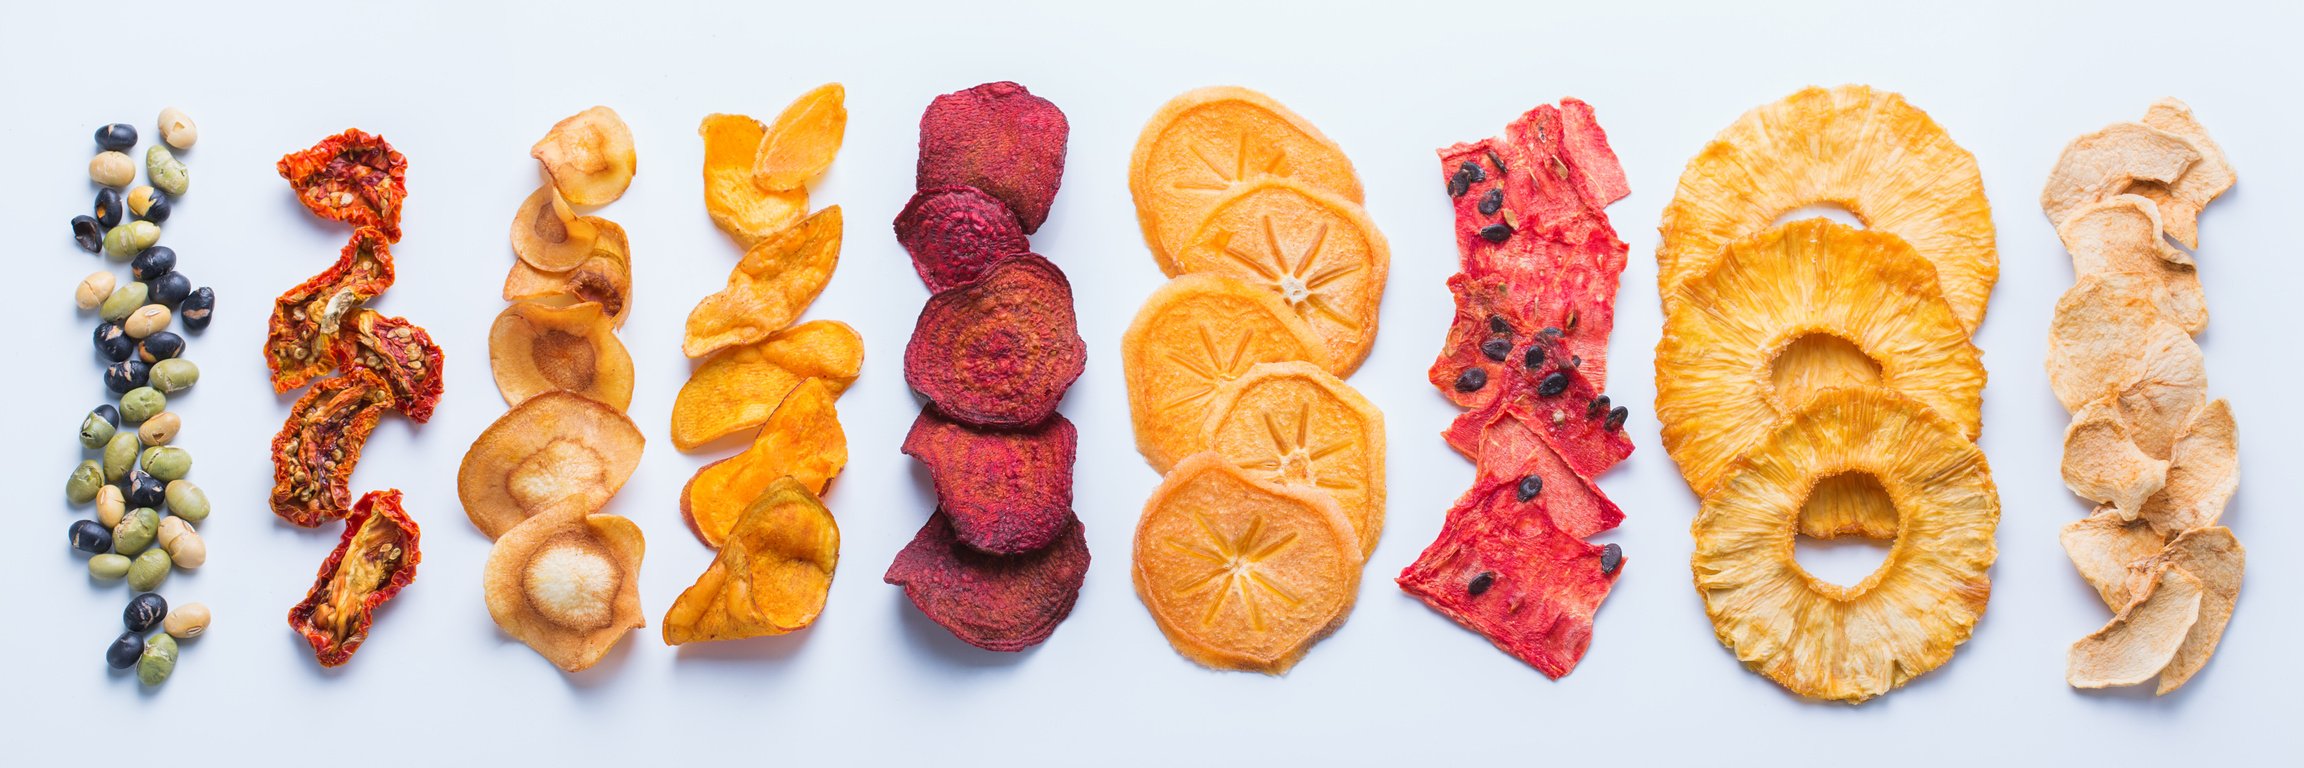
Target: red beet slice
(999, 138)
(1500, 568)
(955, 233)
(1001, 603)
(1001, 351)
(1006, 491)
(1553, 400)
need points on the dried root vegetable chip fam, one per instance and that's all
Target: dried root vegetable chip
(1320, 253)
(1002, 603)
(589, 156)
(401, 353)
(2144, 637)
(554, 450)
(779, 276)
(604, 277)
(376, 559)
(1840, 642)
(803, 140)
(1240, 573)
(999, 138)
(1000, 351)
(772, 573)
(353, 177)
(955, 233)
(567, 583)
(739, 207)
(739, 388)
(1502, 569)
(2122, 235)
(316, 450)
(2102, 463)
(1865, 150)
(2216, 558)
(1544, 393)
(533, 349)
(2203, 473)
(1193, 334)
(2180, 202)
(802, 441)
(2103, 545)
(1203, 142)
(2107, 338)
(2110, 161)
(1293, 424)
(302, 335)
(548, 235)
(1004, 491)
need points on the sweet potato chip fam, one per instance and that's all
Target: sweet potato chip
(2122, 235)
(740, 387)
(1000, 351)
(1320, 253)
(2141, 640)
(777, 279)
(803, 140)
(999, 138)
(548, 235)
(1293, 424)
(2181, 201)
(802, 440)
(2105, 163)
(1203, 142)
(1002, 603)
(533, 349)
(2214, 557)
(1191, 336)
(1240, 573)
(739, 207)
(556, 449)
(2203, 472)
(771, 576)
(955, 233)
(589, 156)
(2102, 463)
(567, 583)
(604, 277)
(2102, 546)
(1004, 491)
(2107, 338)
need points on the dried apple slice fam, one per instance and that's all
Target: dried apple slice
(803, 140)
(589, 156)
(738, 206)
(2180, 201)
(554, 449)
(548, 235)
(2102, 463)
(567, 584)
(2214, 557)
(2203, 472)
(771, 576)
(802, 441)
(2102, 164)
(739, 388)
(777, 279)
(2141, 640)
(2122, 235)
(2102, 546)
(534, 349)
(605, 277)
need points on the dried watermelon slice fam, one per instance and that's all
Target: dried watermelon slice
(1502, 569)
(1006, 491)
(1001, 351)
(1545, 392)
(955, 233)
(1510, 449)
(994, 602)
(999, 138)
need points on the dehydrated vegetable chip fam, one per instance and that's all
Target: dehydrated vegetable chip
(804, 138)
(2141, 640)
(1503, 570)
(1004, 491)
(376, 559)
(1293, 424)
(1000, 351)
(779, 276)
(772, 573)
(353, 177)
(738, 388)
(401, 353)
(1203, 142)
(999, 138)
(955, 233)
(567, 583)
(1318, 252)
(1004, 603)
(589, 156)
(556, 449)
(301, 337)
(533, 349)
(548, 235)
(802, 441)
(604, 277)
(1193, 334)
(739, 207)
(2102, 463)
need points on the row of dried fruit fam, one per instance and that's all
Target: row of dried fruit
(1251, 549)
(2145, 443)
(1526, 357)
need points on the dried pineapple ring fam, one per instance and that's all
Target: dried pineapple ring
(1293, 424)
(1203, 142)
(1850, 643)
(1191, 336)
(1319, 252)
(1715, 394)
(1867, 151)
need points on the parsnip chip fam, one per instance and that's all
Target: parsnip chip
(567, 584)
(779, 276)
(554, 450)
(2214, 557)
(2108, 162)
(2141, 640)
(2203, 472)
(2102, 546)
(604, 277)
(2180, 202)
(548, 235)
(2102, 463)
(2122, 235)
(589, 156)
(533, 348)
(738, 388)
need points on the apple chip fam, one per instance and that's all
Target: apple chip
(605, 277)
(2108, 338)
(801, 441)
(2141, 640)
(548, 235)
(738, 206)
(2214, 557)
(2122, 235)
(2102, 463)
(803, 140)
(2102, 546)
(567, 584)
(740, 387)
(2180, 202)
(770, 578)
(552, 450)
(2107, 162)
(589, 156)
(2203, 472)
(777, 279)
(534, 349)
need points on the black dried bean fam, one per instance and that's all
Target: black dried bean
(1528, 488)
(117, 137)
(108, 207)
(144, 612)
(197, 307)
(88, 233)
(144, 490)
(1471, 380)
(126, 374)
(90, 536)
(1496, 349)
(125, 651)
(1611, 558)
(113, 343)
(153, 262)
(165, 345)
(1553, 384)
(1496, 233)
(1616, 418)
(1492, 202)
(1480, 584)
(170, 289)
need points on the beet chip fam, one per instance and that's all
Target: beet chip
(1500, 568)
(999, 138)
(955, 233)
(1007, 491)
(999, 352)
(1001, 603)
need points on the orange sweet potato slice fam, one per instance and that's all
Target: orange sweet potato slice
(739, 207)
(776, 281)
(552, 450)
(534, 349)
(740, 387)
(771, 576)
(802, 440)
(803, 140)
(567, 584)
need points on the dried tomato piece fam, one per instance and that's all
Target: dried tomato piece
(400, 352)
(1500, 568)
(375, 559)
(306, 320)
(354, 177)
(313, 456)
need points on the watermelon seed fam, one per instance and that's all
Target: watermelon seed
(1535, 357)
(1496, 233)
(1492, 202)
(1611, 558)
(1480, 584)
(1471, 380)
(1498, 161)
(1616, 418)
(1496, 349)
(1598, 406)
(1553, 384)
(1529, 487)
(1496, 324)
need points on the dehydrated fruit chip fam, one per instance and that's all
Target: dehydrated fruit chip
(2140, 641)
(801, 441)
(548, 235)
(302, 334)
(955, 233)
(2180, 202)
(1320, 253)
(739, 207)
(2216, 558)
(567, 583)
(2122, 235)
(1502, 569)
(2203, 473)
(401, 353)
(1193, 334)
(1511, 449)
(556, 449)
(1004, 491)
(604, 277)
(999, 138)
(1000, 351)
(533, 349)
(1203, 142)
(804, 138)
(376, 559)
(1003, 603)
(1838, 642)
(2102, 545)
(2107, 338)
(2105, 163)
(1545, 394)
(738, 388)
(589, 156)
(1240, 573)
(771, 576)
(353, 177)
(2102, 463)
(317, 448)
(779, 276)
(1293, 424)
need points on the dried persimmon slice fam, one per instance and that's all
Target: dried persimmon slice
(1203, 142)
(740, 387)
(739, 207)
(1240, 573)
(802, 441)
(557, 449)
(1320, 253)
(1195, 333)
(1295, 425)
(533, 349)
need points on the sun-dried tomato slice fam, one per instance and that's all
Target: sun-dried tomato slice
(399, 351)
(353, 177)
(376, 558)
(307, 319)
(313, 456)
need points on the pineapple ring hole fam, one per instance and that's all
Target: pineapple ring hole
(1844, 560)
(1816, 361)
(1830, 211)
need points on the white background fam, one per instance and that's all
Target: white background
(464, 88)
